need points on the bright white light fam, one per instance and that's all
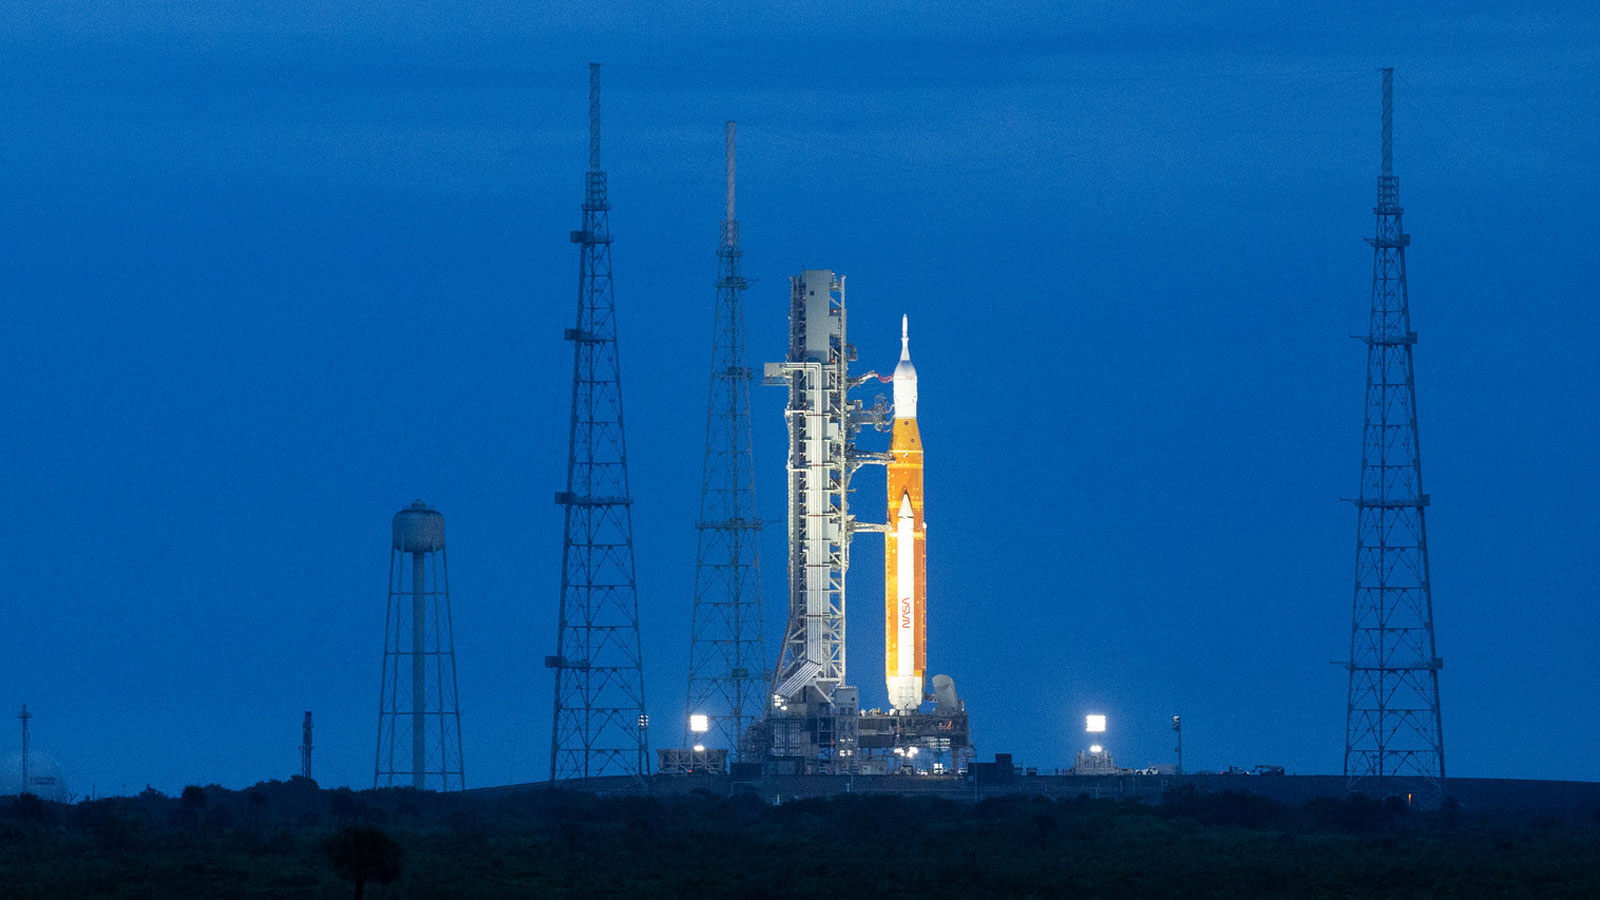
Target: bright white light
(1095, 724)
(912, 751)
(699, 723)
(1094, 748)
(699, 748)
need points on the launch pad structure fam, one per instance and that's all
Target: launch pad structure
(814, 723)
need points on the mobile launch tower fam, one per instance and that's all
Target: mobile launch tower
(813, 713)
(814, 722)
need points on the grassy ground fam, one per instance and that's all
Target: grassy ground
(271, 841)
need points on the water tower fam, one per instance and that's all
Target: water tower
(419, 715)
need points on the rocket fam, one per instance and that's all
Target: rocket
(905, 557)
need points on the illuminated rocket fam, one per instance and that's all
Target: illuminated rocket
(905, 557)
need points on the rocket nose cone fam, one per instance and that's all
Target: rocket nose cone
(905, 377)
(905, 506)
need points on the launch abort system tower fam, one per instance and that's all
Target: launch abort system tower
(727, 655)
(419, 713)
(1393, 737)
(599, 725)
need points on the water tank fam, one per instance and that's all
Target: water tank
(418, 529)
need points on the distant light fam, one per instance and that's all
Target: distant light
(699, 723)
(912, 752)
(1095, 748)
(1095, 724)
(699, 748)
(644, 721)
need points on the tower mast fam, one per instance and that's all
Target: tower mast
(1393, 736)
(27, 785)
(727, 654)
(305, 746)
(599, 724)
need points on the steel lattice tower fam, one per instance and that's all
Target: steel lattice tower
(727, 655)
(1393, 738)
(419, 712)
(600, 726)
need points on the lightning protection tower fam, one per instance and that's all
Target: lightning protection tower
(600, 726)
(1393, 737)
(727, 656)
(419, 714)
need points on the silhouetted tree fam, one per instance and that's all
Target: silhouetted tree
(361, 853)
(193, 803)
(1044, 825)
(346, 807)
(258, 806)
(31, 809)
(194, 797)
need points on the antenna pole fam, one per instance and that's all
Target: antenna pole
(730, 216)
(25, 716)
(1388, 121)
(305, 746)
(594, 117)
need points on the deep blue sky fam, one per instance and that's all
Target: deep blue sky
(268, 276)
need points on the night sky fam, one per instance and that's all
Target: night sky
(270, 274)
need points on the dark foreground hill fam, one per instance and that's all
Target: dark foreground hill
(284, 839)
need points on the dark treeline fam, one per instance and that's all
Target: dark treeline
(290, 839)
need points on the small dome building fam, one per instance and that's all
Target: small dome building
(44, 776)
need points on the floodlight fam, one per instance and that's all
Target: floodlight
(1095, 748)
(699, 723)
(699, 748)
(1095, 724)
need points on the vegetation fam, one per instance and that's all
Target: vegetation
(361, 853)
(290, 839)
